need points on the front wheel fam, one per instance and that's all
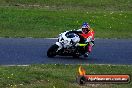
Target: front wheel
(52, 50)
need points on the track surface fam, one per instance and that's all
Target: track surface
(21, 51)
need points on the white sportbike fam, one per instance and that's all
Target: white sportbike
(67, 45)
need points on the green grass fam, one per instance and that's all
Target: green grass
(58, 76)
(73, 4)
(48, 18)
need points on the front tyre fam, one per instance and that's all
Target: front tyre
(52, 50)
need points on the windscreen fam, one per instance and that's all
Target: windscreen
(70, 35)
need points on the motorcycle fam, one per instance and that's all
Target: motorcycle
(67, 45)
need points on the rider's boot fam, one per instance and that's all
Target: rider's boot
(86, 54)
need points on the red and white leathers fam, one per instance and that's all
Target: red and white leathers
(89, 38)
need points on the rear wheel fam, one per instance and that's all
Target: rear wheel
(52, 50)
(75, 56)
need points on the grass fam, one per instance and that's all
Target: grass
(57, 76)
(48, 18)
(73, 4)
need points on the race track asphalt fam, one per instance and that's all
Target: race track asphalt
(23, 51)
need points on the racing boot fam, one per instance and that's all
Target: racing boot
(86, 54)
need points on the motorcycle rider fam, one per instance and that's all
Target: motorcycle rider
(86, 35)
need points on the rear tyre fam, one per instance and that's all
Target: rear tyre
(52, 50)
(76, 56)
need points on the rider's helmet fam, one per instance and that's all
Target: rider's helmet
(85, 28)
